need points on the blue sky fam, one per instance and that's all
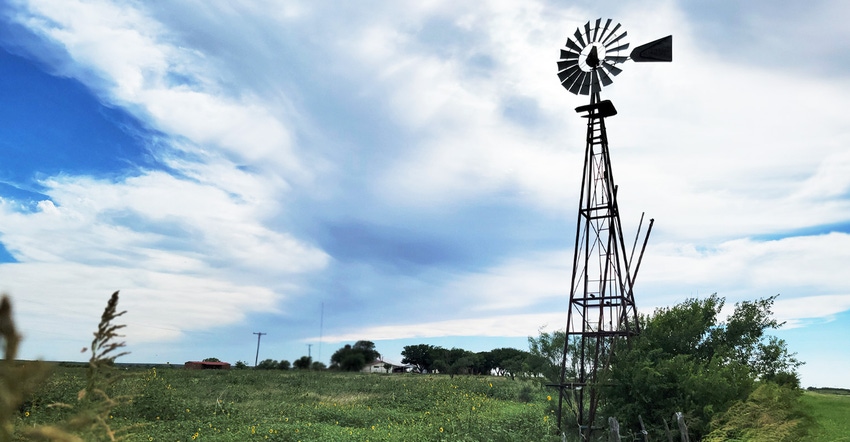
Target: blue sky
(407, 172)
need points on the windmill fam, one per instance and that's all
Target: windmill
(602, 310)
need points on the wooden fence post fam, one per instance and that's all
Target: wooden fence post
(683, 429)
(643, 429)
(613, 429)
(667, 429)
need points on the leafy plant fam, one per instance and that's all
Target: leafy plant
(94, 402)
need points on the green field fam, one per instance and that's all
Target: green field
(173, 404)
(832, 413)
(236, 405)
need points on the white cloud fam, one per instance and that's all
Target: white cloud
(493, 326)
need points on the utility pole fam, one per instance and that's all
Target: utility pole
(259, 335)
(309, 351)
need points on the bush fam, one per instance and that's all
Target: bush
(772, 413)
(267, 364)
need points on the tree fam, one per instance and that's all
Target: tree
(548, 348)
(508, 361)
(267, 364)
(241, 365)
(421, 355)
(354, 358)
(212, 360)
(686, 359)
(302, 363)
(317, 366)
(284, 365)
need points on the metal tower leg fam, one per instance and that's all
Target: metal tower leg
(602, 309)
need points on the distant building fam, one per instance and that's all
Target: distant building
(201, 365)
(382, 366)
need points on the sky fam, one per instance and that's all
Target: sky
(408, 172)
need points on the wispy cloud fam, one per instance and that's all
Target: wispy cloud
(416, 165)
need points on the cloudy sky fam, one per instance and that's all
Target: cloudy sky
(407, 172)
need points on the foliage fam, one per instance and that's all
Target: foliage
(420, 355)
(267, 364)
(302, 363)
(548, 348)
(354, 358)
(317, 365)
(501, 361)
(241, 365)
(17, 380)
(686, 360)
(212, 360)
(284, 365)
(771, 413)
(90, 416)
(274, 405)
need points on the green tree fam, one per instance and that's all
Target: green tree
(267, 364)
(317, 366)
(686, 359)
(212, 360)
(421, 355)
(284, 365)
(548, 351)
(354, 358)
(302, 363)
(508, 361)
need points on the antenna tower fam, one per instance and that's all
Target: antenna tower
(602, 311)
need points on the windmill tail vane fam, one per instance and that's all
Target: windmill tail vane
(602, 309)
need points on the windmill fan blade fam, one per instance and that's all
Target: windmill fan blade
(585, 86)
(572, 45)
(587, 32)
(565, 75)
(566, 64)
(577, 35)
(596, 28)
(619, 37)
(604, 30)
(613, 70)
(616, 58)
(572, 78)
(568, 55)
(622, 46)
(613, 32)
(577, 85)
(606, 80)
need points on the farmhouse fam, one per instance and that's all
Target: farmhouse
(383, 366)
(202, 365)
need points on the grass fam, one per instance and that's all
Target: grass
(832, 413)
(184, 405)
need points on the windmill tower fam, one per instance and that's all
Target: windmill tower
(602, 310)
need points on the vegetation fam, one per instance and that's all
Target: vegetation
(830, 409)
(686, 360)
(731, 380)
(239, 405)
(83, 416)
(500, 361)
(354, 358)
